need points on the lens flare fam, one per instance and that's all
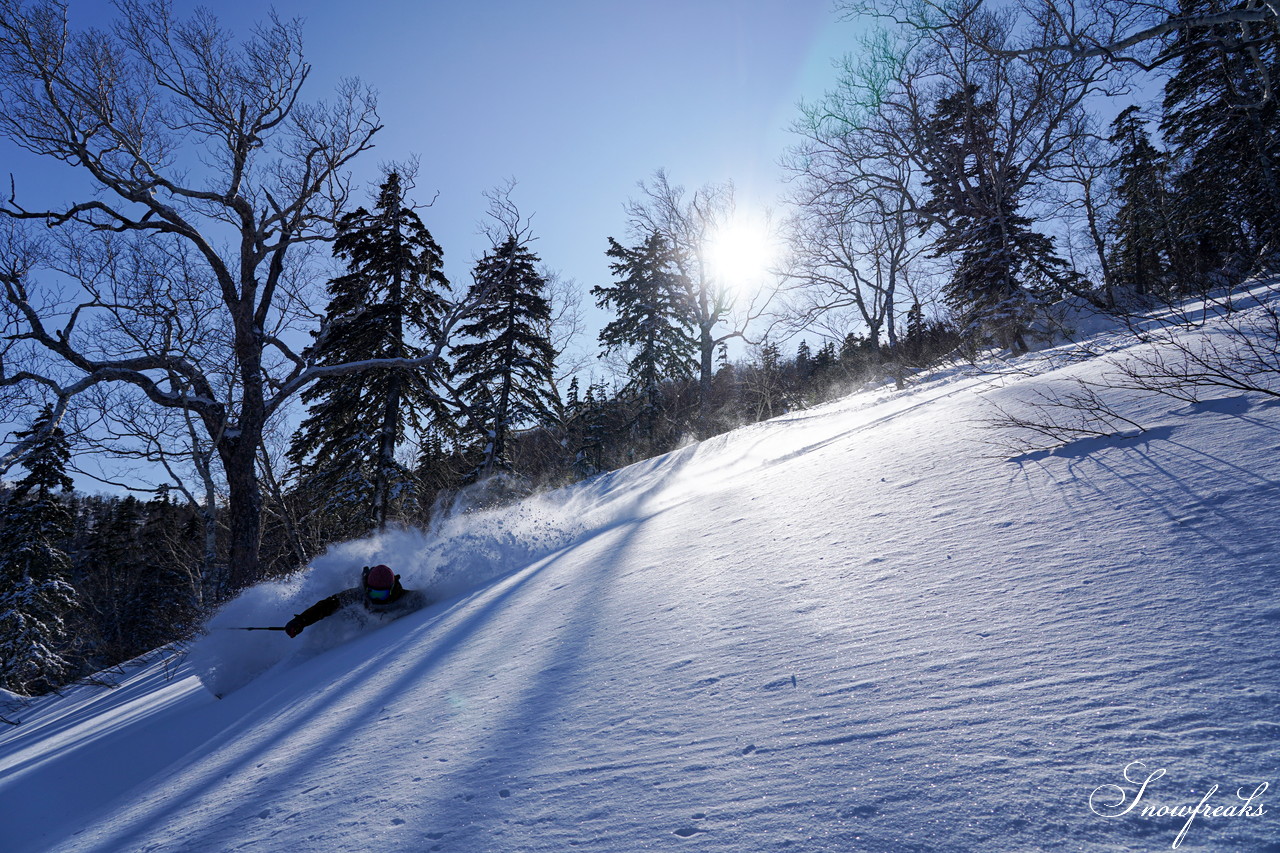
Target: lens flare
(741, 253)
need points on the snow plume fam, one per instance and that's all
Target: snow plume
(468, 544)
(226, 658)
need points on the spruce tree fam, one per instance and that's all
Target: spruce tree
(826, 359)
(855, 351)
(572, 399)
(585, 428)
(388, 305)
(35, 597)
(506, 371)
(1140, 231)
(804, 363)
(993, 245)
(175, 594)
(1222, 119)
(766, 394)
(913, 343)
(593, 446)
(110, 573)
(652, 322)
(137, 579)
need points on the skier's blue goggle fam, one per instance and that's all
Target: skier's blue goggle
(379, 594)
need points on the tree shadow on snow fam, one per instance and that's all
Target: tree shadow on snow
(285, 730)
(1090, 445)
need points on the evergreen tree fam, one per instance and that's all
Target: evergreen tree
(1223, 121)
(915, 343)
(387, 305)
(587, 429)
(440, 467)
(507, 370)
(173, 595)
(574, 423)
(1140, 251)
(35, 597)
(804, 363)
(572, 398)
(652, 321)
(109, 576)
(826, 359)
(993, 245)
(854, 353)
(766, 391)
(915, 320)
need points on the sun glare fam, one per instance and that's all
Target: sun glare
(741, 253)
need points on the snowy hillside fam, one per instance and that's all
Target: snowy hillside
(852, 628)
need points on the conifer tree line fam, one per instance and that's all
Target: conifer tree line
(992, 163)
(959, 181)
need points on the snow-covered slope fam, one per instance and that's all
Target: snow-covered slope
(851, 628)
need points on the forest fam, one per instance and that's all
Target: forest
(975, 168)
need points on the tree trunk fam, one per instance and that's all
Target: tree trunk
(244, 517)
(705, 376)
(386, 454)
(238, 449)
(391, 414)
(213, 579)
(1262, 139)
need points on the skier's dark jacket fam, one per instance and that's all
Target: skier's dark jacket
(400, 602)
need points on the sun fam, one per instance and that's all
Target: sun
(740, 254)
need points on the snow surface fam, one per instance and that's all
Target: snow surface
(858, 627)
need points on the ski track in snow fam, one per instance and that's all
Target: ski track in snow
(850, 628)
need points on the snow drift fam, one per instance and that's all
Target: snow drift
(464, 548)
(850, 628)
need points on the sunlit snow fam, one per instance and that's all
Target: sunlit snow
(858, 627)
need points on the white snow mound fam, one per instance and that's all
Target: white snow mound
(854, 628)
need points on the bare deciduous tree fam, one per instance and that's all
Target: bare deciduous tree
(1120, 33)
(854, 232)
(568, 323)
(182, 269)
(1239, 351)
(1058, 415)
(1233, 349)
(689, 222)
(873, 157)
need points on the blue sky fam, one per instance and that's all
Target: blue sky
(577, 100)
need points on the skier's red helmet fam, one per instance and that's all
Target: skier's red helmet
(378, 582)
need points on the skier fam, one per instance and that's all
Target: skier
(379, 591)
